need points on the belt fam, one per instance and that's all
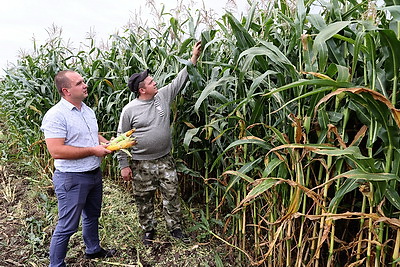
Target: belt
(92, 171)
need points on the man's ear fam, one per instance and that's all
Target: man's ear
(65, 91)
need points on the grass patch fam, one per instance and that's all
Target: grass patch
(29, 217)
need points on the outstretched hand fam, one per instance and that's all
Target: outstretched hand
(196, 52)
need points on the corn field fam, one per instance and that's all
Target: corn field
(287, 137)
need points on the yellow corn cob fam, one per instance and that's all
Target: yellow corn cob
(130, 132)
(122, 136)
(126, 143)
(122, 141)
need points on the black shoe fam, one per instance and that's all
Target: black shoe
(148, 237)
(178, 234)
(103, 253)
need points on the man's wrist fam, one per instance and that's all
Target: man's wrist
(121, 167)
(193, 61)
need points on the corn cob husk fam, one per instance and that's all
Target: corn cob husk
(127, 143)
(123, 141)
(122, 137)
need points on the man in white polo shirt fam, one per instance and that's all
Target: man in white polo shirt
(71, 133)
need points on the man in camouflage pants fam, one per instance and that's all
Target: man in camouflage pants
(149, 114)
(153, 174)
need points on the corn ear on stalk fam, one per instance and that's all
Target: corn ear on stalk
(122, 141)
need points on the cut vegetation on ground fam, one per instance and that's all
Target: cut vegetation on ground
(286, 138)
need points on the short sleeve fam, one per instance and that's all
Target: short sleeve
(54, 126)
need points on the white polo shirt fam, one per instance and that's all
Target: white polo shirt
(78, 128)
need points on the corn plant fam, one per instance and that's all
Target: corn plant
(286, 138)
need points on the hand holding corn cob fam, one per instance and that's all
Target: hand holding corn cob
(123, 141)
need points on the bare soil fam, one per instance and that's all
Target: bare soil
(28, 216)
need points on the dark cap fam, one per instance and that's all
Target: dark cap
(135, 79)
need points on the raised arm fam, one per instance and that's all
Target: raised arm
(196, 53)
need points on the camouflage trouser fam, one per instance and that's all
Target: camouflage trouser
(148, 175)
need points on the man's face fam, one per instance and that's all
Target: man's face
(78, 88)
(150, 86)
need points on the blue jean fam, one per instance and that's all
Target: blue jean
(78, 194)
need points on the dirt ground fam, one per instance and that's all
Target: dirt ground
(28, 216)
(14, 247)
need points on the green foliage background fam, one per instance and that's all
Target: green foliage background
(286, 138)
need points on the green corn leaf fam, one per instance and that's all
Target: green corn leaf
(189, 137)
(317, 21)
(271, 166)
(258, 110)
(305, 95)
(357, 47)
(211, 87)
(393, 196)
(321, 53)
(320, 46)
(260, 80)
(260, 188)
(280, 137)
(358, 174)
(394, 11)
(238, 175)
(314, 82)
(243, 38)
(348, 186)
(397, 260)
(185, 46)
(372, 55)
(256, 142)
(389, 39)
(353, 150)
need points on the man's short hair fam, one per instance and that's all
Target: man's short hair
(62, 81)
